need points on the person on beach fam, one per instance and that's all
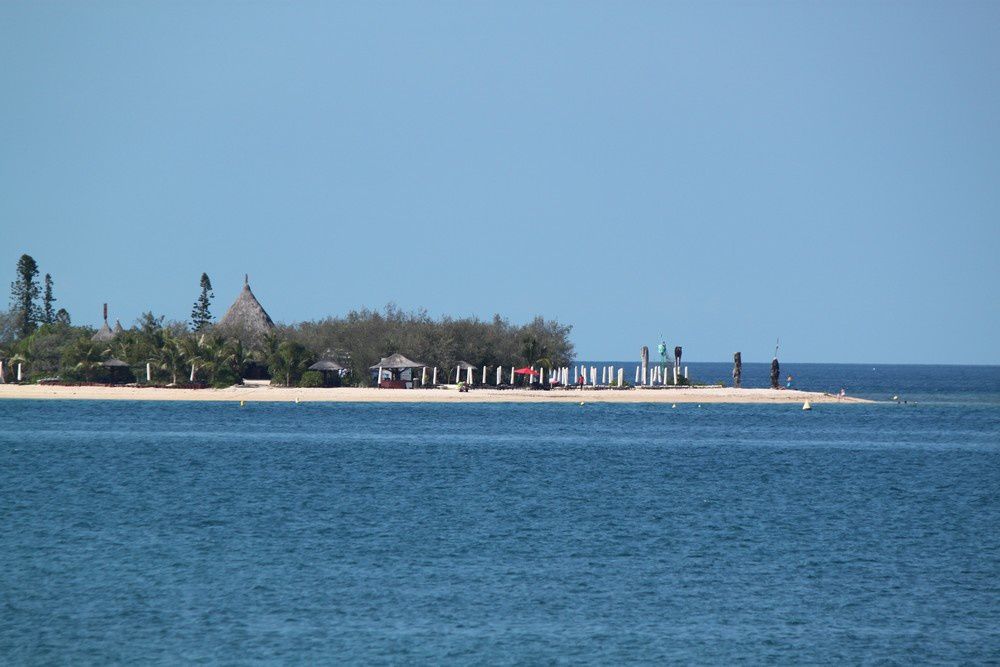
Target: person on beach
(788, 382)
(843, 392)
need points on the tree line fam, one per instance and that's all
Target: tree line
(49, 347)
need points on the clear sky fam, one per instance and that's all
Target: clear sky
(717, 174)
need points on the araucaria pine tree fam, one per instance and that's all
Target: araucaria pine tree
(201, 317)
(23, 294)
(48, 312)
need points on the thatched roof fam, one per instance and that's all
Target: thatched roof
(114, 363)
(246, 318)
(326, 366)
(118, 327)
(397, 361)
(104, 334)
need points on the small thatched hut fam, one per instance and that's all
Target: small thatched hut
(400, 369)
(246, 319)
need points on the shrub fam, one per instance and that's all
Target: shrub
(312, 379)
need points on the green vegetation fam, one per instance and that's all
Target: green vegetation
(201, 316)
(23, 294)
(49, 347)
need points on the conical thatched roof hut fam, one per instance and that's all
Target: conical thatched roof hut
(105, 334)
(246, 319)
(118, 327)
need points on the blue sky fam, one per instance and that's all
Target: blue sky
(717, 174)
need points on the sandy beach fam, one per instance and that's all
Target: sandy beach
(442, 395)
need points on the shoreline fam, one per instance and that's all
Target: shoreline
(440, 395)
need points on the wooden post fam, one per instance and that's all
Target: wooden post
(737, 370)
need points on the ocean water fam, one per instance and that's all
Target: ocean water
(605, 534)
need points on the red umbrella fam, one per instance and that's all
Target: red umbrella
(526, 371)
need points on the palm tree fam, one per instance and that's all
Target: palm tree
(290, 359)
(170, 357)
(85, 357)
(190, 350)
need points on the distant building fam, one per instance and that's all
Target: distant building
(105, 334)
(246, 319)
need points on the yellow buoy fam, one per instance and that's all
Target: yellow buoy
(807, 406)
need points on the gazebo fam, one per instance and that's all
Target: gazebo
(328, 368)
(399, 368)
(115, 371)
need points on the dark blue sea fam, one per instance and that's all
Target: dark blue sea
(145, 533)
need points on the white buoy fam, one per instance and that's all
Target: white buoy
(807, 406)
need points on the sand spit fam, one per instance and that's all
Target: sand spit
(442, 395)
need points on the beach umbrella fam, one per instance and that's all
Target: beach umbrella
(526, 371)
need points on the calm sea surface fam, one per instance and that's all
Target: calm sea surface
(193, 532)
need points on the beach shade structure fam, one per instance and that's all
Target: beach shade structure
(526, 371)
(246, 319)
(328, 369)
(460, 368)
(117, 370)
(119, 329)
(400, 368)
(104, 334)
